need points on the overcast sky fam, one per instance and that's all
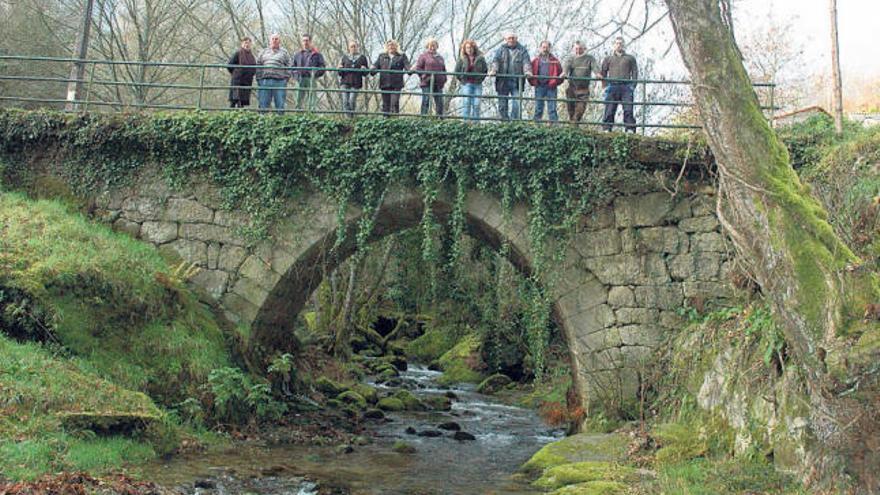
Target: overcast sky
(858, 29)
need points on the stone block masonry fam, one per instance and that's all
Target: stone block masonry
(628, 268)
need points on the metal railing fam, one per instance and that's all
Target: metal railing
(121, 85)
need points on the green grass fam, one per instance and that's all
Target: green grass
(722, 477)
(36, 388)
(96, 336)
(107, 298)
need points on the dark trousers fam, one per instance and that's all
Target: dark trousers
(426, 100)
(576, 103)
(614, 94)
(390, 102)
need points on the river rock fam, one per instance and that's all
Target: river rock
(391, 404)
(387, 374)
(451, 395)
(374, 414)
(438, 403)
(344, 449)
(493, 384)
(410, 401)
(449, 426)
(463, 436)
(367, 392)
(329, 387)
(398, 362)
(410, 430)
(205, 484)
(402, 447)
(353, 398)
(430, 433)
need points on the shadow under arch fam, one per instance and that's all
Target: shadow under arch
(271, 330)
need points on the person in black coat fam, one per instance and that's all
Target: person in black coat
(242, 77)
(391, 83)
(352, 81)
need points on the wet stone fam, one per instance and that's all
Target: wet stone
(463, 436)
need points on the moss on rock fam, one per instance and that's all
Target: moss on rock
(459, 363)
(581, 472)
(410, 401)
(577, 448)
(391, 404)
(367, 392)
(329, 387)
(353, 399)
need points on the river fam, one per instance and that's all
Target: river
(505, 437)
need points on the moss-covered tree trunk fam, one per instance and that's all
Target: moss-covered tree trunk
(815, 284)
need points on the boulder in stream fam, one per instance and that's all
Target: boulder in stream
(391, 404)
(402, 447)
(463, 436)
(374, 414)
(430, 433)
(449, 426)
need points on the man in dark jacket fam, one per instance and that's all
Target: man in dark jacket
(307, 65)
(242, 77)
(352, 80)
(547, 71)
(510, 66)
(578, 70)
(619, 73)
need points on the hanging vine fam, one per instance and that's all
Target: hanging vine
(261, 162)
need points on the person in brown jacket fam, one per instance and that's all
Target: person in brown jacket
(619, 74)
(578, 70)
(242, 77)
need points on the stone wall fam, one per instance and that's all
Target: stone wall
(627, 270)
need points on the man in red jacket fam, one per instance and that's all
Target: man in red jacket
(547, 77)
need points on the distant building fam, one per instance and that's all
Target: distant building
(798, 116)
(866, 119)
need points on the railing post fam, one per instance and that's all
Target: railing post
(311, 92)
(201, 87)
(521, 82)
(88, 96)
(431, 105)
(644, 113)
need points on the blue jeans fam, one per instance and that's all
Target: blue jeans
(614, 95)
(509, 89)
(470, 109)
(349, 100)
(545, 94)
(272, 90)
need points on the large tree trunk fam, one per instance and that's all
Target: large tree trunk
(836, 82)
(814, 283)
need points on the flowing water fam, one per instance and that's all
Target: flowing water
(505, 437)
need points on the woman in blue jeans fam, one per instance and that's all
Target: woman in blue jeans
(471, 70)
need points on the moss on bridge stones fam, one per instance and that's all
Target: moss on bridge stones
(258, 200)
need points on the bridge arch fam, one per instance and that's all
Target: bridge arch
(627, 269)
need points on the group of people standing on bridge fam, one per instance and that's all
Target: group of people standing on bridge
(510, 65)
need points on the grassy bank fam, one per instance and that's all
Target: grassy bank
(100, 343)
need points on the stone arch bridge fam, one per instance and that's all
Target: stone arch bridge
(626, 271)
